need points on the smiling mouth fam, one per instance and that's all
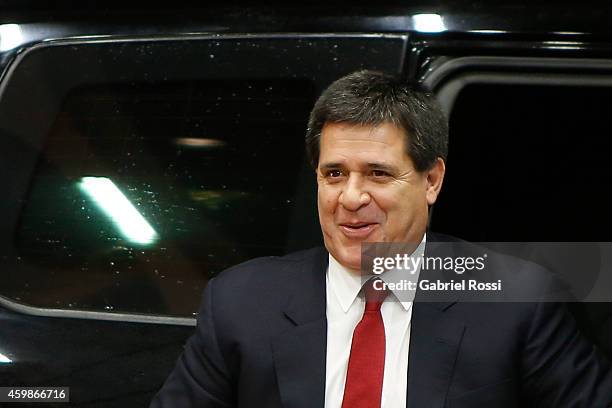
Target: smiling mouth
(358, 230)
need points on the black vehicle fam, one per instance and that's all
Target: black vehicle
(146, 149)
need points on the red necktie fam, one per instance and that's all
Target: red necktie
(364, 377)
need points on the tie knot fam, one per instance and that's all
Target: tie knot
(375, 293)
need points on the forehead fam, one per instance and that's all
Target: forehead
(348, 141)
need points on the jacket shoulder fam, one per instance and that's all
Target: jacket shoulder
(268, 267)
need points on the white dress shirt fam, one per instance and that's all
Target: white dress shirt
(345, 306)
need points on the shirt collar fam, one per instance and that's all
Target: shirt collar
(346, 284)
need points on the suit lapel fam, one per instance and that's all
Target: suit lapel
(434, 342)
(435, 337)
(300, 353)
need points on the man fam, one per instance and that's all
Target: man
(301, 331)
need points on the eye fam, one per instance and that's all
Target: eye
(379, 173)
(333, 173)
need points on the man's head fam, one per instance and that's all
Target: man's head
(378, 148)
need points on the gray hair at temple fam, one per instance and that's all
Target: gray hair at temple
(371, 98)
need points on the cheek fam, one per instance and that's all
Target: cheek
(327, 200)
(401, 205)
(386, 201)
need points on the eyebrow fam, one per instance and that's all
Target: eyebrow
(382, 166)
(373, 165)
(331, 166)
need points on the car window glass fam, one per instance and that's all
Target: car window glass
(145, 190)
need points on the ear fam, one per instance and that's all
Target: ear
(435, 176)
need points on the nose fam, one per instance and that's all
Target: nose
(353, 196)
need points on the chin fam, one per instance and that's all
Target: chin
(348, 255)
(351, 258)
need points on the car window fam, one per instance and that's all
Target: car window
(145, 190)
(134, 169)
(526, 163)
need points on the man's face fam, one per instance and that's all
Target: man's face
(369, 190)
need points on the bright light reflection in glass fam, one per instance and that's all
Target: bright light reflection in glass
(5, 359)
(487, 31)
(111, 200)
(199, 142)
(428, 23)
(10, 36)
(568, 32)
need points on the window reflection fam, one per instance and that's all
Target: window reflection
(119, 209)
(145, 190)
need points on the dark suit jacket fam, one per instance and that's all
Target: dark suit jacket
(261, 341)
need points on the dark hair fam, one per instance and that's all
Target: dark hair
(372, 98)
